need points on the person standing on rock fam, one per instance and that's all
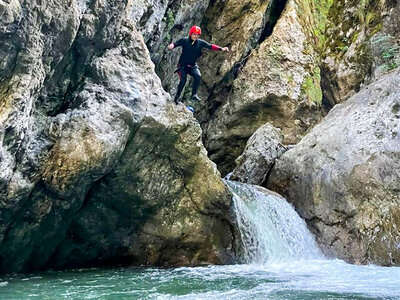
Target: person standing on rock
(191, 50)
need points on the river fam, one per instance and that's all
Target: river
(279, 260)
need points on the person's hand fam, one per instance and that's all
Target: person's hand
(225, 49)
(171, 46)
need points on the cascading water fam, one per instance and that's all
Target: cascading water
(283, 262)
(270, 228)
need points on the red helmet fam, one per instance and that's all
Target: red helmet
(195, 29)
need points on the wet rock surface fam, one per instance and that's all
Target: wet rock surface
(343, 177)
(97, 166)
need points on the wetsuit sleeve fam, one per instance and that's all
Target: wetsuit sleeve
(178, 43)
(211, 46)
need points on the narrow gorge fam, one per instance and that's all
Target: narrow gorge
(99, 167)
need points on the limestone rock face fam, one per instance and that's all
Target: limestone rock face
(96, 164)
(163, 22)
(237, 25)
(344, 176)
(281, 66)
(277, 82)
(262, 149)
(361, 43)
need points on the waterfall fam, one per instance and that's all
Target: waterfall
(270, 229)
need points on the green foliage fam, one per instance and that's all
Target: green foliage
(321, 10)
(348, 18)
(314, 17)
(390, 65)
(311, 87)
(362, 10)
(369, 17)
(389, 52)
(169, 19)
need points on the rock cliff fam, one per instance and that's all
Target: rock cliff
(344, 176)
(97, 165)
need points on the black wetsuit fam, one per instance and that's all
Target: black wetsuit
(191, 51)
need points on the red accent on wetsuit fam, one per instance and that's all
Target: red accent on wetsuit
(215, 47)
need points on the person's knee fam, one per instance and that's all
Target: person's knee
(197, 76)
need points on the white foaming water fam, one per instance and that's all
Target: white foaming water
(270, 229)
(284, 263)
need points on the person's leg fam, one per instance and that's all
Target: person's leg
(195, 72)
(183, 77)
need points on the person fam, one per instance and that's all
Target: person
(191, 50)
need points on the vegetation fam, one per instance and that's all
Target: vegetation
(169, 19)
(344, 29)
(321, 10)
(390, 52)
(311, 87)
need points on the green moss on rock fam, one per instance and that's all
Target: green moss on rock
(311, 87)
(346, 23)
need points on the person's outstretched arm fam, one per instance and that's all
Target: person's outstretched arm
(175, 44)
(214, 47)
